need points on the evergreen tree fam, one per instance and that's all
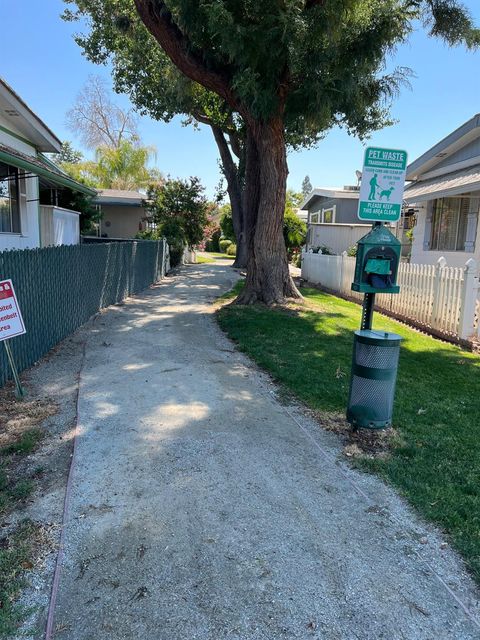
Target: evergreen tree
(306, 186)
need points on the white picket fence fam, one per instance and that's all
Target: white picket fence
(439, 297)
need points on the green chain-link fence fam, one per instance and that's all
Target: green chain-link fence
(60, 288)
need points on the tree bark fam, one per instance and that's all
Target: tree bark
(234, 189)
(268, 277)
(251, 191)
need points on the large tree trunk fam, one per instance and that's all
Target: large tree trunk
(268, 277)
(251, 191)
(234, 189)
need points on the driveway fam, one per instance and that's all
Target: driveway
(203, 508)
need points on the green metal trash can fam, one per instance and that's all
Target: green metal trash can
(373, 380)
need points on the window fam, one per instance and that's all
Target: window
(323, 216)
(449, 224)
(9, 199)
(328, 215)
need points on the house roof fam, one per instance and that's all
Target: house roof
(120, 197)
(16, 111)
(468, 132)
(331, 193)
(44, 168)
(453, 184)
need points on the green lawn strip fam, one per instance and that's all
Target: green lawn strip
(436, 463)
(203, 259)
(220, 256)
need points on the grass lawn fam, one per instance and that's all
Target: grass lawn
(221, 256)
(204, 259)
(436, 461)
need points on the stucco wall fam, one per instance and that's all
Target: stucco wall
(125, 221)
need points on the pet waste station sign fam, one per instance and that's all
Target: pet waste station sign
(383, 182)
(11, 321)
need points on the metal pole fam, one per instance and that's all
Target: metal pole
(367, 311)
(19, 390)
(369, 299)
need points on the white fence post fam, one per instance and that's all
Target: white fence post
(441, 297)
(342, 273)
(437, 291)
(469, 300)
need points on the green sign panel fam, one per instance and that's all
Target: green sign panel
(383, 182)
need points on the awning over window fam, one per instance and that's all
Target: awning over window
(42, 167)
(452, 184)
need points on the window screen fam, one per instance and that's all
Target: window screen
(9, 199)
(449, 224)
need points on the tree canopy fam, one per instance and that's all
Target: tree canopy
(123, 167)
(323, 60)
(181, 203)
(289, 69)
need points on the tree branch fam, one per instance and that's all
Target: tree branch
(159, 22)
(200, 117)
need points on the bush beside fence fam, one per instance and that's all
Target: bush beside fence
(443, 299)
(60, 288)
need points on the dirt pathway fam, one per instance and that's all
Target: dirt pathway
(201, 508)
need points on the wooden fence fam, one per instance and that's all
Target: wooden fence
(438, 297)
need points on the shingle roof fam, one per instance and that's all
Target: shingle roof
(121, 193)
(451, 184)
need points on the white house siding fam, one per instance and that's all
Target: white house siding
(470, 150)
(337, 237)
(420, 255)
(29, 220)
(14, 141)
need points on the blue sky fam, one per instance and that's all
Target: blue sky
(45, 66)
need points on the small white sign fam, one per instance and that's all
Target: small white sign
(11, 321)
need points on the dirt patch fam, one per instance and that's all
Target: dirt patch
(19, 416)
(371, 443)
(36, 439)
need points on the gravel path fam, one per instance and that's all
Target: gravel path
(202, 508)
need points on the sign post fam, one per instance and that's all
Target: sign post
(383, 182)
(11, 325)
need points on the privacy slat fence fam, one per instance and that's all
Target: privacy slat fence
(438, 297)
(60, 288)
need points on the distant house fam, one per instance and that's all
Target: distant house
(123, 213)
(443, 199)
(332, 218)
(32, 188)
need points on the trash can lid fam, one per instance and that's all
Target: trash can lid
(385, 338)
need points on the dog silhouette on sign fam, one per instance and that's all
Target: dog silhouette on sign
(386, 193)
